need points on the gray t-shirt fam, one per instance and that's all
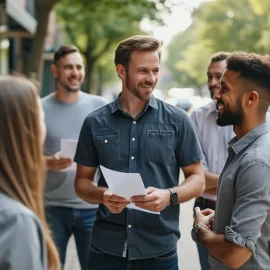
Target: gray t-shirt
(22, 244)
(64, 121)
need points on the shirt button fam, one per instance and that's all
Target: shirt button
(133, 139)
(132, 157)
(129, 226)
(134, 122)
(106, 141)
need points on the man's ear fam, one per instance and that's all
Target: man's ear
(54, 70)
(121, 71)
(252, 97)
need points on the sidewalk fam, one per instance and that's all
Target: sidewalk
(187, 251)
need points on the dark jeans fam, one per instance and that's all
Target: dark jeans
(203, 254)
(102, 261)
(64, 222)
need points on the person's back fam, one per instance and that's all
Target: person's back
(22, 243)
(25, 241)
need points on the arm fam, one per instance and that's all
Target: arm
(227, 252)
(57, 163)
(211, 180)
(194, 183)
(158, 199)
(88, 191)
(249, 213)
(85, 187)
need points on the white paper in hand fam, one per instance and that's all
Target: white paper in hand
(125, 185)
(68, 150)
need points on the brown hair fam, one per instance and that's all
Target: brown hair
(63, 51)
(219, 56)
(141, 43)
(21, 158)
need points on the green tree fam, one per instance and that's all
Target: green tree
(42, 11)
(98, 27)
(221, 25)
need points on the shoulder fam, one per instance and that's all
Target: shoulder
(103, 111)
(93, 98)
(47, 99)
(258, 152)
(204, 110)
(174, 114)
(14, 211)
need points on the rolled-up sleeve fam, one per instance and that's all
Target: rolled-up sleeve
(252, 205)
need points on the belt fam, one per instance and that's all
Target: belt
(206, 203)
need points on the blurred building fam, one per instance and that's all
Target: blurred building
(17, 27)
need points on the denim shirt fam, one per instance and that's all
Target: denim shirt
(243, 206)
(156, 144)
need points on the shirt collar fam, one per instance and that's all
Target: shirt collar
(116, 105)
(239, 145)
(212, 108)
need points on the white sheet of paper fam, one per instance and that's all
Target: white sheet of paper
(68, 150)
(125, 185)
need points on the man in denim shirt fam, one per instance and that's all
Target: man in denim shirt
(242, 220)
(138, 134)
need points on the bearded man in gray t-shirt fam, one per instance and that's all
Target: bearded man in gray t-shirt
(65, 111)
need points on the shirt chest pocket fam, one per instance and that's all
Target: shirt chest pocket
(160, 145)
(107, 145)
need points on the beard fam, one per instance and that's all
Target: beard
(135, 91)
(230, 117)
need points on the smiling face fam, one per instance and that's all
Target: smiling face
(69, 72)
(229, 100)
(142, 74)
(214, 74)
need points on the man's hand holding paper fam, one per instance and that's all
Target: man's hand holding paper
(155, 200)
(114, 203)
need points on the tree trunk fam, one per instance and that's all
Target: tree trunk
(43, 9)
(89, 76)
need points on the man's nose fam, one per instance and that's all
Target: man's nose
(217, 95)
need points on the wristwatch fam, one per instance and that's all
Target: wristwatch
(194, 231)
(174, 196)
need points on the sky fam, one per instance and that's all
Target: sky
(177, 21)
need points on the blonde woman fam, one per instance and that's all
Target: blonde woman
(25, 241)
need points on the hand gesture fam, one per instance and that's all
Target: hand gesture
(155, 200)
(114, 203)
(57, 163)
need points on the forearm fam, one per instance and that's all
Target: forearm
(222, 249)
(211, 180)
(87, 191)
(191, 187)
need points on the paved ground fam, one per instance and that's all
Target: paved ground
(187, 252)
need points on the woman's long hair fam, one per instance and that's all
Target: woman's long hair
(21, 155)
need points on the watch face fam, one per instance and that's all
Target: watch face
(194, 234)
(174, 198)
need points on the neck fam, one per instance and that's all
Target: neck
(131, 104)
(66, 97)
(247, 125)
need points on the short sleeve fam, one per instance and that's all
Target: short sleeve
(188, 147)
(21, 244)
(252, 204)
(86, 153)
